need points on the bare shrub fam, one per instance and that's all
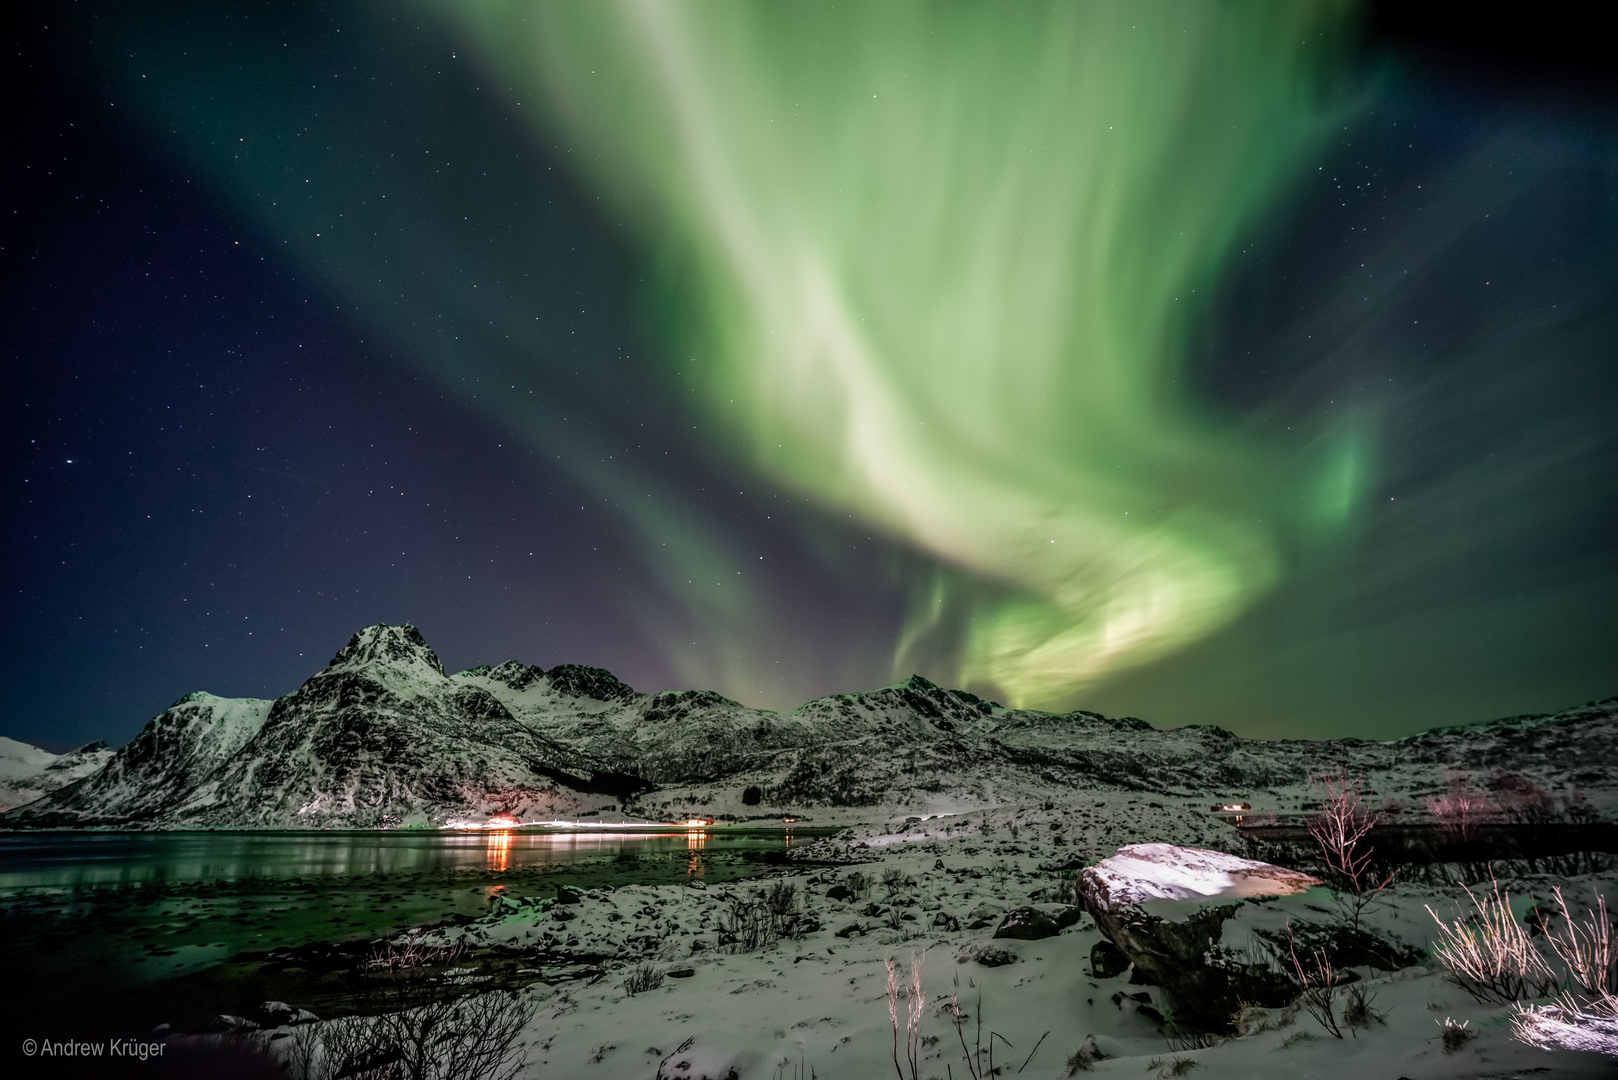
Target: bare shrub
(404, 953)
(642, 978)
(1317, 982)
(1587, 948)
(469, 1038)
(894, 879)
(1360, 1011)
(1489, 954)
(1568, 1025)
(1585, 1017)
(1085, 1057)
(1342, 830)
(756, 920)
(1461, 808)
(1455, 1036)
(857, 883)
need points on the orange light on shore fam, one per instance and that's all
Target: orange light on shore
(698, 822)
(502, 821)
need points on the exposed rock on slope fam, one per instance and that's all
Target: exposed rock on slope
(383, 734)
(380, 736)
(27, 772)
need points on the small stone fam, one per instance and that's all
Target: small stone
(850, 930)
(839, 892)
(565, 895)
(680, 972)
(986, 955)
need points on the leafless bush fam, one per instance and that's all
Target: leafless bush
(857, 883)
(1585, 1017)
(1341, 830)
(1317, 982)
(756, 920)
(1461, 808)
(400, 954)
(1455, 1036)
(1360, 1011)
(469, 1038)
(1569, 1025)
(642, 978)
(894, 879)
(1489, 954)
(1587, 948)
(781, 899)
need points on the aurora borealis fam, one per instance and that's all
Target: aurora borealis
(1205, 362)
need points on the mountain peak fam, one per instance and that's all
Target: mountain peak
(387, 646)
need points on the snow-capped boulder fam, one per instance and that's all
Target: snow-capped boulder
(1164, 907)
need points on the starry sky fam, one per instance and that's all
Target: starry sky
(1211, 363)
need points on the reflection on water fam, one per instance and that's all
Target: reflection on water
(31, 860)
(499, 859)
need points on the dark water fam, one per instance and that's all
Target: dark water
(113, 933)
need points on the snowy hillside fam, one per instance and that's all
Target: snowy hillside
(27, 772)
(383, 736)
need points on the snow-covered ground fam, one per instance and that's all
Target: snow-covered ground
(819, 1001)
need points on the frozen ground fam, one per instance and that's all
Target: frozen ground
(818, 1002)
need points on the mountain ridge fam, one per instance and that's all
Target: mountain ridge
(383, 736)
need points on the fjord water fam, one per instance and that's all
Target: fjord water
(165, 926)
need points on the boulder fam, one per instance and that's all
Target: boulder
(985, 954)
(1164, 908)
(1107, 961)
(839, 892)
(565, 895)
(1027, 924)
(1068, 916)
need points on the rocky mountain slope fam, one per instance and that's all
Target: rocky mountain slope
(27, 772)
(384, 736)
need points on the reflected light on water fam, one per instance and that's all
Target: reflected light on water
(498, 858)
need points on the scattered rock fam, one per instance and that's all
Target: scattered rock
(850, 930)
(839, 892)
(945, 921)
(565, 895)
(680, 972)
(985, 955)
(1026, 924)
(1107, 961)
(562, 914)
(1089, 1053)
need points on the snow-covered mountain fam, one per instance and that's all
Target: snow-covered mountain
(27, 772)
(383, 735)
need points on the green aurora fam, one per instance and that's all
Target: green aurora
(937, 265)
(1215, 368)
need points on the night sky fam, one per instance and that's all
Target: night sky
(1253, 367)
